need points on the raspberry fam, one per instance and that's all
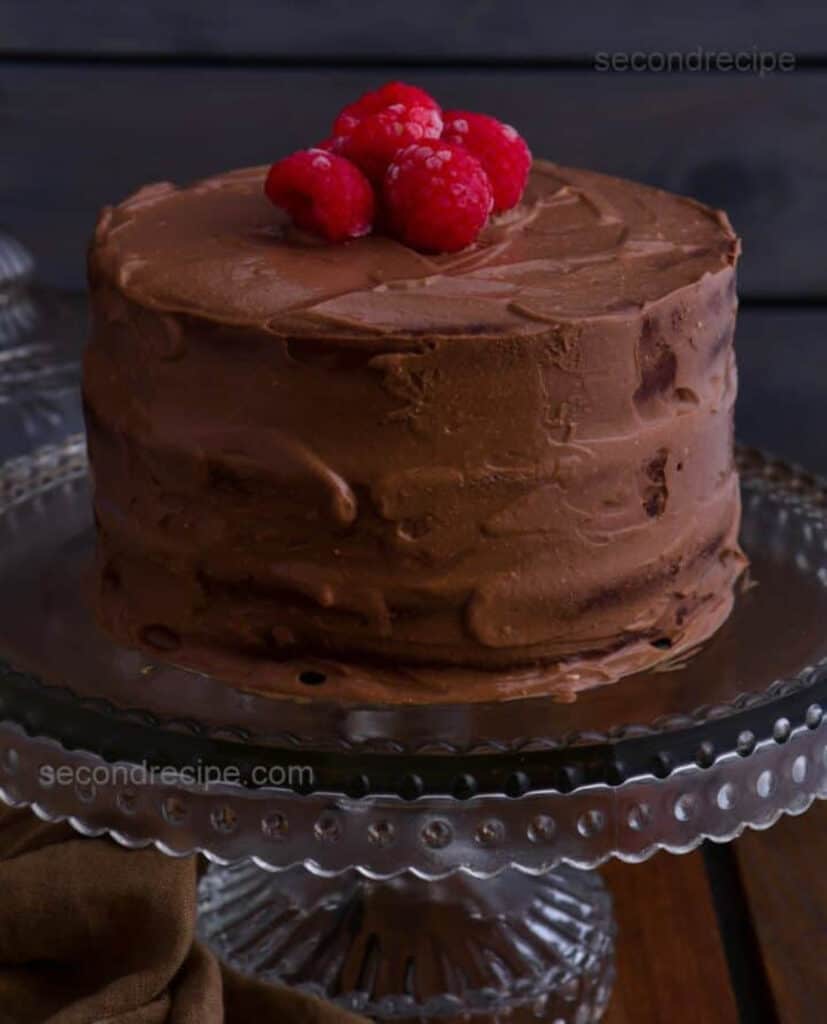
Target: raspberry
(501, 150)
(374, 141)
(388, 95)
(437, 197)
(323, 193)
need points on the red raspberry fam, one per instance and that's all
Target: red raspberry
(437, 197)
(500, 149)
(388, 95)
(374, 141)
(323, 193)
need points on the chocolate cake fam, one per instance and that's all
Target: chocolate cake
(518, 456)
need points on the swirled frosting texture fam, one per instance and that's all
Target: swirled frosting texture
(517, 456)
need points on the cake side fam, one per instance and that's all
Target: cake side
(521, 454)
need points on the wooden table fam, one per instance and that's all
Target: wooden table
(728, 933)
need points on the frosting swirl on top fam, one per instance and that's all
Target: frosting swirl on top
(580, 245)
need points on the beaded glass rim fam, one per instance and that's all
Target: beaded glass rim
(432, 837)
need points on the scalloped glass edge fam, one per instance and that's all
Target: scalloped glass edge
(590, 826)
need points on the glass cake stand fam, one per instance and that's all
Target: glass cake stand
(42, 333)
(411, 862)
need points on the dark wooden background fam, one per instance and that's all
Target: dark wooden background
(97, 98)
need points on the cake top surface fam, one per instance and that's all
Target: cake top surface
(580, 245)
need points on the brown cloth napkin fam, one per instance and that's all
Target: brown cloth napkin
(91, 933)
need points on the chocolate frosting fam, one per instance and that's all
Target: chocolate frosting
(512, 460)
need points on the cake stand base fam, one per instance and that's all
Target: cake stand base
(515, 947)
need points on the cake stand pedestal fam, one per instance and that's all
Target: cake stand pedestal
(412, 862)
(514, 945)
